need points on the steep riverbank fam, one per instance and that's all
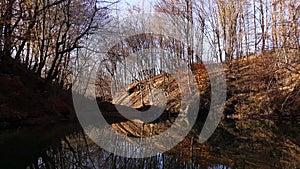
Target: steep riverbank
(25, 99)
(262, 86)
(265, 86)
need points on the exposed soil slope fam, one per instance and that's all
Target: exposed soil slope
(264, 86)
(144, 93)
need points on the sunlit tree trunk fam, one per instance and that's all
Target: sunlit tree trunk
(274, 24)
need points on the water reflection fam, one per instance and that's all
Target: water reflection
(77, 151)
(240, 144)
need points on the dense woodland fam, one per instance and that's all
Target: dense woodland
(47, 46)
(45, 35)
(49, 37)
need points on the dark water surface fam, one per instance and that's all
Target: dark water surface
(238, 144)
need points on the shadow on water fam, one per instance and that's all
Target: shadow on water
(22, 146)
(238, 144)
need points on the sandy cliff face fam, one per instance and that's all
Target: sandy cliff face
(163, 90)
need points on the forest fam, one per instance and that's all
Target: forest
(48, 39)
(236, 63)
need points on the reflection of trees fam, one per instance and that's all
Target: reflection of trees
(257, 144)
(243, 144)
(76, 151)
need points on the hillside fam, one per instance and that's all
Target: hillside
(258, 86)
(25, 99)
(165, 83)
(266, 85)
(261, 86)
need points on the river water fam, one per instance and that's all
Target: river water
(235, 144)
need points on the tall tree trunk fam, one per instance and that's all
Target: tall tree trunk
(274, 25)
(8, 16)
(255, 28)
(262, 24)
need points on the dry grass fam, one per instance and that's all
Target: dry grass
(265, 85)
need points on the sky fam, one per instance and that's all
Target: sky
(137, 3)
(132, 2)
